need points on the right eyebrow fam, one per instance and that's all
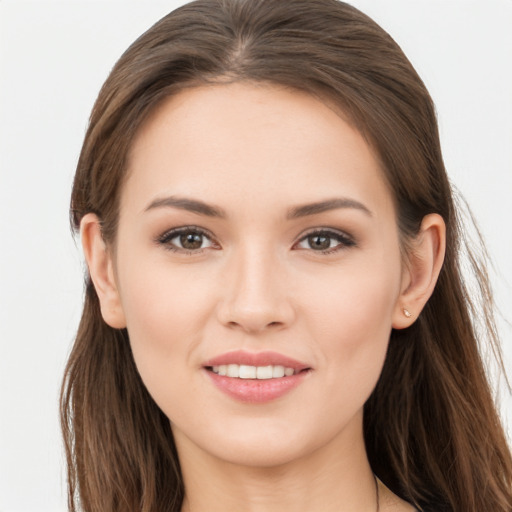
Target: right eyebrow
(191, 205)
(324, 206)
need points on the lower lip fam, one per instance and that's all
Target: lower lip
(256, 390)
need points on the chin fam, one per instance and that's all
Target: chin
(261, 454)
(271, 443)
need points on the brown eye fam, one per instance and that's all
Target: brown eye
(191, 241)
(187, 239)
(325, 241)
(319, 242)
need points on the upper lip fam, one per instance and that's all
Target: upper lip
(266, 358)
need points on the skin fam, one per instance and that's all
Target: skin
(257, 283)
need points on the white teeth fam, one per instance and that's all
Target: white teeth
(264, 372)
(243, 371)
(277, 371)
(247, 372)
(233, 370)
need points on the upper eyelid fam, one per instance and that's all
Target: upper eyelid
(173, 232)
(325, 230)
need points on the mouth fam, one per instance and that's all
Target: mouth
(255, 377)
(240, 364)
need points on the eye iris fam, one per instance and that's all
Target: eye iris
(319, 242)
(191, 240)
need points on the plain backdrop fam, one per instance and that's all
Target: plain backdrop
(54, 56)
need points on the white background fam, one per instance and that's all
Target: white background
(54, 57)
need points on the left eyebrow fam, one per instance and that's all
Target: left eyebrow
(184, 203)
(324, 206)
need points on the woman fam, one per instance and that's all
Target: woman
(275, 317)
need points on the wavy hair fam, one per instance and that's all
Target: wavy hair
(431, 428)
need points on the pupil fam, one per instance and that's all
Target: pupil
(319, 242)
(191, 240)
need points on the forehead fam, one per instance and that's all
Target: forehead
(237, 142)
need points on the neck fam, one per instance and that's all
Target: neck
(336, 478)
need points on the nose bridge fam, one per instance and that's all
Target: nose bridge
(255, 295)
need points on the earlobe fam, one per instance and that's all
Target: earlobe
(424, 265)
(101, 270)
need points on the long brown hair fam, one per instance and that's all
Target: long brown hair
(431, 428)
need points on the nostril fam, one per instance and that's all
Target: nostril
(241, 324)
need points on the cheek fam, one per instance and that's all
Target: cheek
(164, 324)
(165, 312)
(356, 299)
(352, 318)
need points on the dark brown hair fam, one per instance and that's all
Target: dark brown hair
(431, 428)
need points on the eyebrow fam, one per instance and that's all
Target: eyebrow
(323, 206)
(209, 210)
(191, 205)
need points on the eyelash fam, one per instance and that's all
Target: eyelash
(166, 238)
(344, 240)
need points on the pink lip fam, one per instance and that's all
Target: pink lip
(256, 359)
(256, 390)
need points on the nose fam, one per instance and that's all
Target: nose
(256, 296)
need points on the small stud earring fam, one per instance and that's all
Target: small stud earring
(407, 313)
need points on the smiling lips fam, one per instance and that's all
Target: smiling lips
(255, 378)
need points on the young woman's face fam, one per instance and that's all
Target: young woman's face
(257, 237)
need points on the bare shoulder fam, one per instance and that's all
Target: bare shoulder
(390, 502)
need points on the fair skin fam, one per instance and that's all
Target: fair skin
(256, 272)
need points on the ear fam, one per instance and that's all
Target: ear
(424, 263)
(101, 270)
